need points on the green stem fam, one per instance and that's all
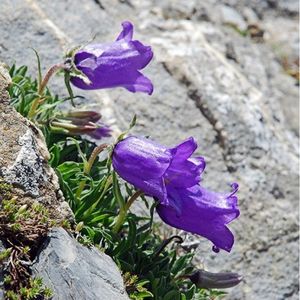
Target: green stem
(123, 211)
(35, 104)
(88, 165)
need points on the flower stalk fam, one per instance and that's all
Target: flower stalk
(42, 85)
(123, 211)
(88, 166)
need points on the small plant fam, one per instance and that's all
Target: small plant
(35, 289)
(101, 203)
(22, 228)
(154, 265)
(135, 287)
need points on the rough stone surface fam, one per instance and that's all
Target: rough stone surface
(73, 271)
(228, 91)
(23, 159)
(230, 16)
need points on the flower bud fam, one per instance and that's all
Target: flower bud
(88, 115)
(81, 122)
(208, 280)
(79, 226)
(22, 209)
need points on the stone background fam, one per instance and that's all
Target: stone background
(231, 92)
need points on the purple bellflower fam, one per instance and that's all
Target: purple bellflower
(152, 167)
(115, 64)
(172, 177)
(203, 212)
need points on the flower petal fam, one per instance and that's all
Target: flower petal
(114, 56)
(114, 64)
(139, 83)
(184, 171)
(142, 163)
(102, 131)
(132, 80)
(185, 149)
(127, 32)
(203, 212)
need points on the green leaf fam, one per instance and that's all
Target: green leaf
(133, 122)
(145, 294)
(68, 86)
(117, 191)
(39, 68)
(172, 295)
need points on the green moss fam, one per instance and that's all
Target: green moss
(22, 226)
(5, 190)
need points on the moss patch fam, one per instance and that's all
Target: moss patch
(23, 228)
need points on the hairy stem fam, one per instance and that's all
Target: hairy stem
(123, 211)
(88, 165)
(35, 104)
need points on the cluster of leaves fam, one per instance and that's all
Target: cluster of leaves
(35, 289)
(24, 91)
(22, 229)
(153, 266)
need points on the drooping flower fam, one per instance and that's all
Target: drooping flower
(172, 177)
(202, 212)
(152, 167)
(81, 122)
(115, 64)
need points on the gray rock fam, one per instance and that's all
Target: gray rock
(232, 17)
(291, 7)
(73, 271)
(250, 15)
(27, 170)
(23, 159)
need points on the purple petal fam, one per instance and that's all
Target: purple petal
(85, 55)
(132, 80)
(114, 56)
(140, 83)
(153, 187)
(144, 56)
(185, 149)
(202, 212)
(101, 132)
(142, 163)
(184, 171)
(127, 32)
(115, 64)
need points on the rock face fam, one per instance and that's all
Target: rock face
(227, 90)
(73, 271)
(23, 159)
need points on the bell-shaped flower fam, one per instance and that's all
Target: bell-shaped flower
(152, 167)
(115, 64)
(172, 177)
(198, 210)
